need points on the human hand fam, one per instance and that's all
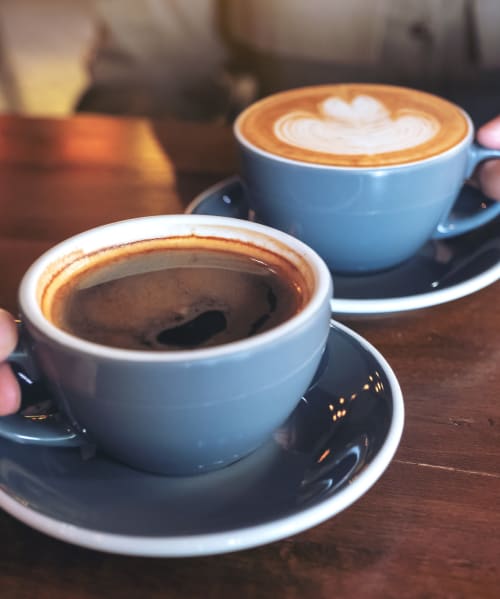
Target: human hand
(488, 173)
(10, 393)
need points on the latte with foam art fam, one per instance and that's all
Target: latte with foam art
(364, 126)
(353, 125)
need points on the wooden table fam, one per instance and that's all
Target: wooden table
(430, 527)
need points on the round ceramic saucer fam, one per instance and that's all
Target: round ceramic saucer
(337, 443)
(441, 271)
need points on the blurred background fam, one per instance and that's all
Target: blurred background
(43, 48)
(207, 59)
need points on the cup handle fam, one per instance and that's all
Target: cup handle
(37, 423)
(447, 228)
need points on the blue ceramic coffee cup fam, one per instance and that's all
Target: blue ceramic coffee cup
(362, 218)
(173, 412)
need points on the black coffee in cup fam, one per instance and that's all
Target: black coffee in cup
(174, 294)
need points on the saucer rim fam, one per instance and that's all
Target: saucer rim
(239, 538)
(347, 306)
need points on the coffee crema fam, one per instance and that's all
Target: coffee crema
(174, 294)
(353, 125)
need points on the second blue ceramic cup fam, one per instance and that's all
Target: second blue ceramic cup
(362, 219)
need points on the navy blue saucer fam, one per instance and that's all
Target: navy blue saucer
(334, 447)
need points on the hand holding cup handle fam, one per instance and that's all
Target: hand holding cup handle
(478, 157)
(38, 422)
(485, 171)
(42, 426)
(10, 396)
(488, 174)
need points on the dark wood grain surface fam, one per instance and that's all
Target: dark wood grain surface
(430, 527)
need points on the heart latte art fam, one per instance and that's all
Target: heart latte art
(364, 126)
(353, 125)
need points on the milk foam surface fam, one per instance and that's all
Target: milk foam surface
(363, 126)
(353, 125)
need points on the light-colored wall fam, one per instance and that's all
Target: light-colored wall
(43, 46)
